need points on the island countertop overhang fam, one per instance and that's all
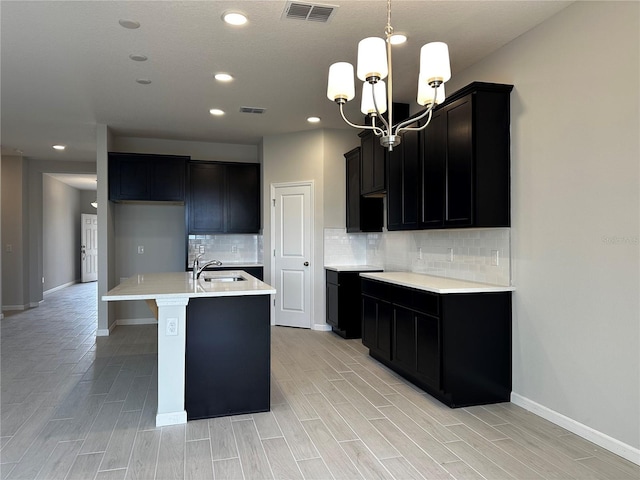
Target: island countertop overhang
(173, 285)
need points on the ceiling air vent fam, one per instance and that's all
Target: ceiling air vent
(256, 110)
(309, 12)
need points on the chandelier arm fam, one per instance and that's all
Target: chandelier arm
(416, 129)
(402, 126)
(366, 127)
(376, 129)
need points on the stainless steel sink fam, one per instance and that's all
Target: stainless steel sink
(232, 278)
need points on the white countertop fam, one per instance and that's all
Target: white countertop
(435, 284)
(149, 286)
(353, 268)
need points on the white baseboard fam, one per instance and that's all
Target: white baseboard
(14, 307)
(59, 287)
(137, 321)
(605, 441)
(171, 418)
(105, 332)
(321, 327)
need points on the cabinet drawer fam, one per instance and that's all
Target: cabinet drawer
(332, 277)
(417, 300)
(374, 288)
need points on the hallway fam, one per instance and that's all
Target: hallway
(79, 407)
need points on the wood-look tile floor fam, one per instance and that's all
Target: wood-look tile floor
(74, 406)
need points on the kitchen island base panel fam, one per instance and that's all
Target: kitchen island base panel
(228, 343)
(171, 351)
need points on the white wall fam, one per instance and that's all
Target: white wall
(106, 241)
(310, 155)
(575, 212)
(61, 233)
(15, 295)
(160, 229)
(222, 152)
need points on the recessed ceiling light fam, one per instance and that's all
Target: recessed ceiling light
(132, 24)
(313, 119)
(397, 39)
(143, 81)
(223, 77)
(234, 18)
(59, 147)
(216, 111)
(138, 58)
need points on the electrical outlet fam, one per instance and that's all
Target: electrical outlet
(234, 249)
(172, 326)
(9, 248)
(495, 258)
(419, 253)
(449, 254)
(201, 249)
(140, 249)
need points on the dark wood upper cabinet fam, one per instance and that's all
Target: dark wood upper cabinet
(137, 177)
(205, 205)
(374, 156)
(372, 181)
(243, 198)
(403, 180)
(223, 197)
(363, 214)
(466, 162)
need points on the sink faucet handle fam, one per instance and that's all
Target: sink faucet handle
(196, 264)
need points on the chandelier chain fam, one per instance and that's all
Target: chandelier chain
(388, 30)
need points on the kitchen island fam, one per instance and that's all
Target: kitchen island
(213, 341)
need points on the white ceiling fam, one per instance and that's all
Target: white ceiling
(65, 65)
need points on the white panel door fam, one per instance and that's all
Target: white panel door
(292, 255)
(89, 247)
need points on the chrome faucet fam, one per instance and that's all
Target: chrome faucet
(197, 269)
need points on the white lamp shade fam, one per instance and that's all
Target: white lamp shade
(368, 90)
(426, 93)
(434, 62)
(340, 84)
(372, 58)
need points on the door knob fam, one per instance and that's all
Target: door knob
(306, 264)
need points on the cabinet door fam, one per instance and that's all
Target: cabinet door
(372, 169)
(403, 167)
(459, 188)
(167, 178)
(243, 198)
(433, 174)
(353, 190)
(332, 304)
(404, 338)
(128, 178)
(428, 352)
(206, 198)
(376, 326)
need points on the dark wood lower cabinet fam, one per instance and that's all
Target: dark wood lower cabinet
(343, 302)
(228, 356)
(457, 347)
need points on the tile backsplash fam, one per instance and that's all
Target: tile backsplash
(227, 248)
(466, 254)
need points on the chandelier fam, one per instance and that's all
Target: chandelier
(374, 65)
